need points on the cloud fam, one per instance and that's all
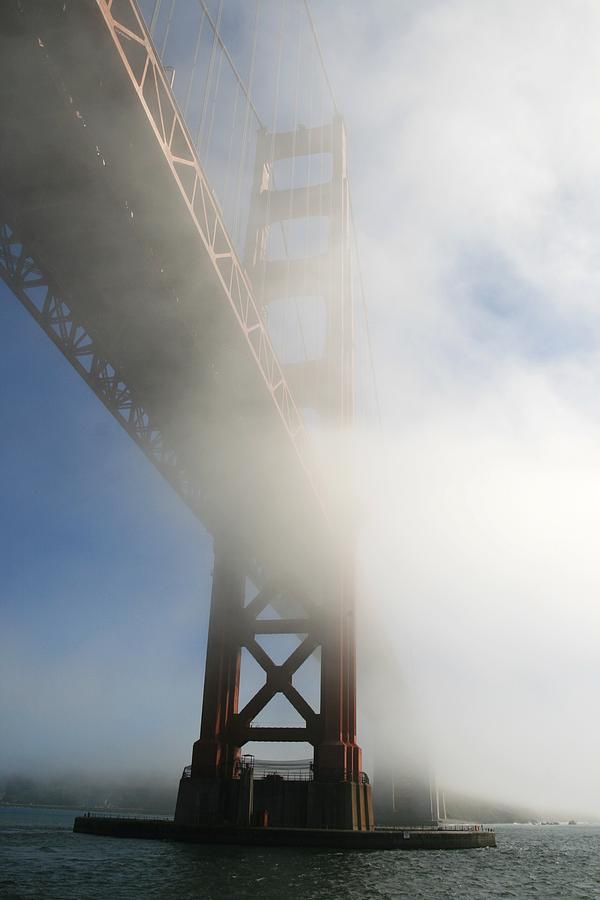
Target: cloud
(473, 140)
(480, 569)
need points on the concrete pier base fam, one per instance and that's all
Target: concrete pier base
(215, 801)
(454, 838)
(276, 801)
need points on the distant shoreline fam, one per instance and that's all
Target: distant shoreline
(84, 808)
(115, 810)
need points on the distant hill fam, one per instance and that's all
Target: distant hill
(144, 795)
(472, 809)
(462, 808)
(157, 794)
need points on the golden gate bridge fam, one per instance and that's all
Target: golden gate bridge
(181, 229)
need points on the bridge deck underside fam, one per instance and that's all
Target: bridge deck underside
(85, 182)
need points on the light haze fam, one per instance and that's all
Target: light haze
(474, 141)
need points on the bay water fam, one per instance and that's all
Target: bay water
(40, 857)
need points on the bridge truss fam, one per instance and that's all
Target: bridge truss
(133, 274)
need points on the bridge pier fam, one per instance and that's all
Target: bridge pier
(215, 755)
(338, 794)
(220, 787)
(279, 803)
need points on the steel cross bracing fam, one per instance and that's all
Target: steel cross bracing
(232, 627)
(34, 289)
(99, 52)
(279, 677)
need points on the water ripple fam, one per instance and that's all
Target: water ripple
(40, 857)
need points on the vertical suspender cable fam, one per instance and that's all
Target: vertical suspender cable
(167, 31)
(270, 161)
(315, 261)
(154, 19)
(217, 36)
(229, 180)
(188, 93)
(366, 318)
(336, 255)
(208, 83)
(272, 179)
(359, 270)
(213, 106)
(313, 29)
(244, 146)
(291, 204)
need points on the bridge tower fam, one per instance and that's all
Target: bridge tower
(317, 605)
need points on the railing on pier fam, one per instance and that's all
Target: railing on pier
(101, 814)
(444, 826)
(286, 770)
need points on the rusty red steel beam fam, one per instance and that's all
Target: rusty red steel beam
(35, 290)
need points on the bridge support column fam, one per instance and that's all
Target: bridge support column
(339, 796)
(210, 792)
(214, 755)
(217, 789)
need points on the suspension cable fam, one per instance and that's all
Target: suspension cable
(155, 15)
(291, 203)
(208, 82)
(167, 30)
(352, 225)
(363, 301)
(245, 141)
(320, 55)
(247, 94)
(214, 101)
(195, 60)
(228, 57)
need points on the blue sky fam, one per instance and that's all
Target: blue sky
(105, 573)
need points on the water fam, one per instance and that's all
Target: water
(40, 857)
